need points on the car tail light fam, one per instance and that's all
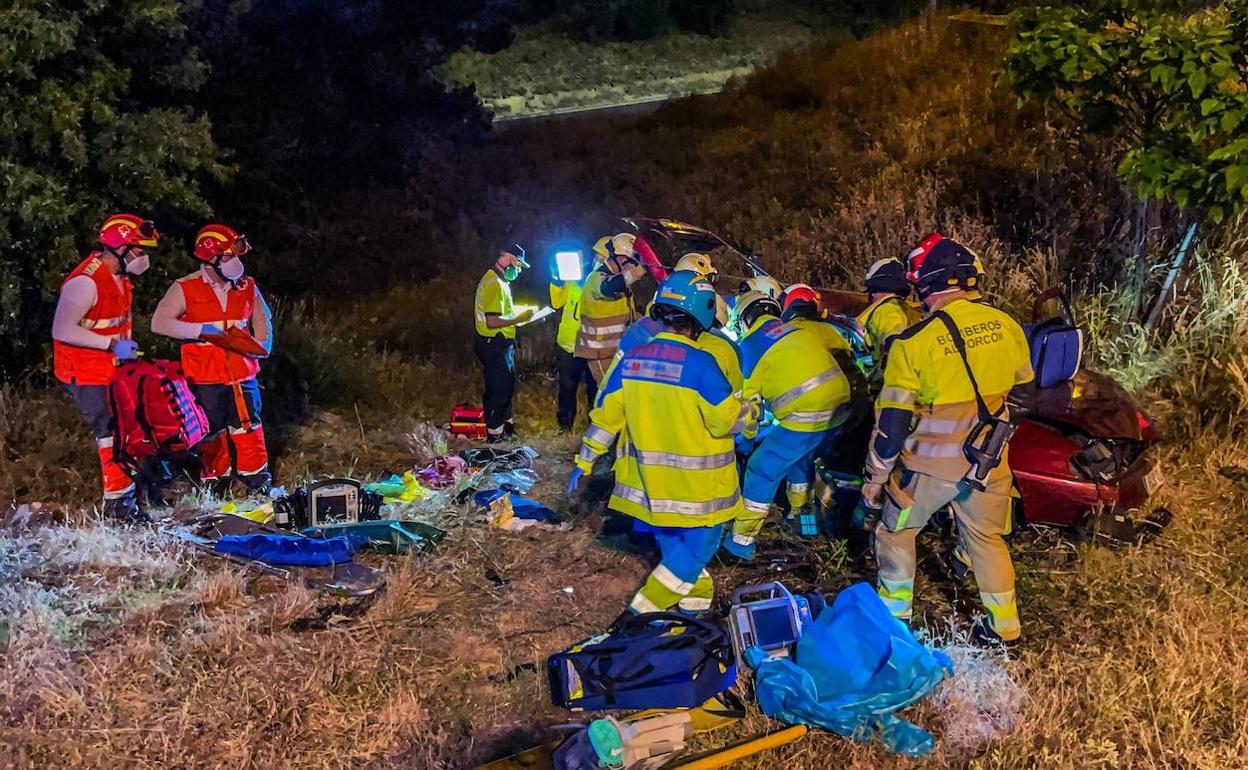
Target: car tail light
(1142, 420)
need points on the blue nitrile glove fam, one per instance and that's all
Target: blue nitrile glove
(742, 552)
(574, 481)
(126, 350)
(211, 330)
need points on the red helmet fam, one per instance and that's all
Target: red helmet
(798, 292)
(122, 230)
(940, 264)
(216, 241)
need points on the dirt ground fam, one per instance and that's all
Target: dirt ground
(145, 654)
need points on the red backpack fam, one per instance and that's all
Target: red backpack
(468, 420)
(154, 412)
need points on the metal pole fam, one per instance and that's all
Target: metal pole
(1154, 316)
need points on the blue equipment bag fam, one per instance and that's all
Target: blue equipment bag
(1056, 344)
(653, 660)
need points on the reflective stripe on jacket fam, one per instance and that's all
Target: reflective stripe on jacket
(675, 415)
(108, 317)
(603, 319)
(203, 362)
(797, 377)
(926, 377)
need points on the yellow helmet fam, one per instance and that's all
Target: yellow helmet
(698, 263)
(622, 244)
(600, 249)
(764, 284)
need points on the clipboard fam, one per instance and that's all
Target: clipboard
(545, 312)
(237, 341)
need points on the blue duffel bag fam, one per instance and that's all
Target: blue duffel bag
(653, 660)
(1056, 343)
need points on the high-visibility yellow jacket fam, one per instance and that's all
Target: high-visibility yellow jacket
(493, 296)
(726, 354)
(826, 333)
(567, 296)
(603, 319)
(797, 377)
(926, 377)
(675, 415)
(884, 319)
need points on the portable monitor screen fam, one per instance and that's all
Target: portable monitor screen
(773, 626)
(568, 266)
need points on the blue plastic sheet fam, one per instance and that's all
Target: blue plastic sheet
(287, 550)
(517, 480)
(523, 507)
(852, 668)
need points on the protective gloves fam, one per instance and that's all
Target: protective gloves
(574, 481)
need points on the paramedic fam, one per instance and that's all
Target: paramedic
(496, 320)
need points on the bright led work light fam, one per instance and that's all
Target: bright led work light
(568, 266)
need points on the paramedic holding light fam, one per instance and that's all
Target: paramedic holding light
(496, 317)
(566, 285)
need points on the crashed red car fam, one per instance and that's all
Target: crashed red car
(1080, 456)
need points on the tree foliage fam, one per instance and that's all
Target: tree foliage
(93, 119)
(1169, 82)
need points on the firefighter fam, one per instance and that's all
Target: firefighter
(675, 415)
(217, 297)
(800, 306)
(889, 314)
(496, 320)
(809, 397)
(573, 371)
(91, 333)
(607, 303)
(926, 412)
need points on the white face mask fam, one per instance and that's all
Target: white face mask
(138, 265)
(232, 270)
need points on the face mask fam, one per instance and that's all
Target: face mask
(511, 272)
(138, 265)
(232, 270)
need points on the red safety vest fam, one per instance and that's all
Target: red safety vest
(203, 362)
(108, 317)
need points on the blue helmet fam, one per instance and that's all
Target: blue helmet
(691, 293)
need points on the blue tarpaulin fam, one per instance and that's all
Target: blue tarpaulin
(523, 507)
(287, 550)
(852, 668)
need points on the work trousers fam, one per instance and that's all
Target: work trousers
(497, 355)
(784, 455)
(572, 372)
(982, 520)
(680, 579)
(92, 401)
(236, 442)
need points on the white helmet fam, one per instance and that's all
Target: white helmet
(764, 284)
(698, 263)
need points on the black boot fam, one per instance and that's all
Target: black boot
(983, 635)
(125, 509)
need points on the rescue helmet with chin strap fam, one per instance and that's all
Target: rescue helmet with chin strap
(122, 230)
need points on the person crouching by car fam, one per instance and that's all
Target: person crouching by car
(204, 305)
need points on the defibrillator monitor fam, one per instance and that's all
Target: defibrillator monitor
(568, 266)
(334, 503)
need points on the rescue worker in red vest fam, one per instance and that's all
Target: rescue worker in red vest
(889, 314)
(809, 397)
(91, 333)
(573, 371)
(674, 414)
(918, 462)
(607, 303)
(496, 318)
(207, 303)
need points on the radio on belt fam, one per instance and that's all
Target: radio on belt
(773, 621)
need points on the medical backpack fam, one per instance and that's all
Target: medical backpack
(1056, 343)
(468, 420)
(652, 660)
(153, 413)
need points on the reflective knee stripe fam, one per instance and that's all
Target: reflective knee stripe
(684, 462)
(796, 392)
(755, 507)
(681, 507)
(670, 580)
(799, 488)
(898, 596)
(691, 604)
(1002, 614)
(745, 540)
